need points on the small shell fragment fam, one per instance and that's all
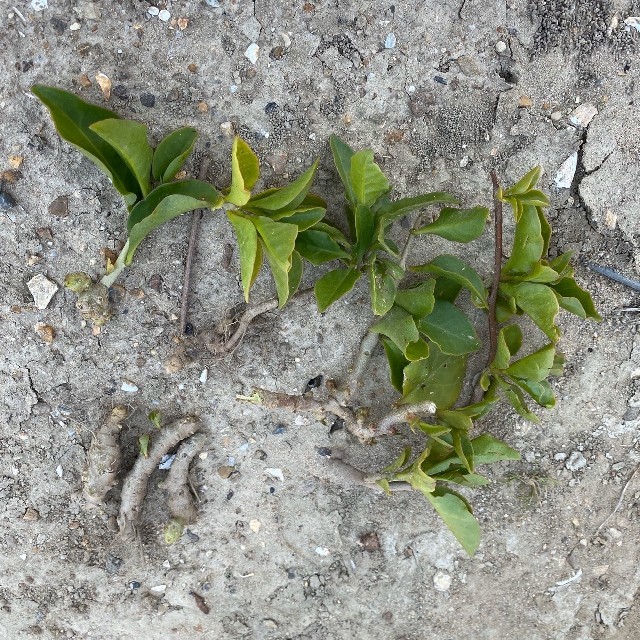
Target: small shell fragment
(105, 85)
(390, 41)
(42, 290)
(582, 115)
(252, 52)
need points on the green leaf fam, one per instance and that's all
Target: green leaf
(561, 262)
(463, 448)
(367, 179)
(541, 273)
(569, 291)
(279, 239)
(545, 230)
(398, 325)
(417, 350)
(535, 366)
(192, 188)
(539, 302)
(417, 300)
(171, 153)
(295, 273)
(509, 343)
(463, 479)
(333, 233)
(302, 218)
(247, 248)
(452, 268)
(342, 154)
(245, 171)
(456, 418)
(397, 362)
(458, 225)
(129, 139)
(437, 378)
(528, 181)
(487, 450)
(143, 445)
(382, 288)
(446, 289)
(541, 392)
(72, 118)
(288, 197)
(433, 430)
(516, 399)
(365, 230)
(450, 329)
(318, 247)
(280, 273)
(392, 210)
(199, 195)
(333, 285)
(528, 243)
(533, 197)
(155, 417)
(455, 513)
(400, 461)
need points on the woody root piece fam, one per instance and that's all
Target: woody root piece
(104, 460)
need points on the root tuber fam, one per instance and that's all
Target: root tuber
(103, 459)
(179, 499)
(134, 488)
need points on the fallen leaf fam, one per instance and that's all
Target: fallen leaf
(105, 85)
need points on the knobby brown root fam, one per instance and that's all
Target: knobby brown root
(103, 459)
(356, 422)
(180, 503)
(134, 488)
(350, 476)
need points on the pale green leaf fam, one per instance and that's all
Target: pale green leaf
(247, 238)
(333, 285)
(450, 329)
(171, 153)
(458, 225)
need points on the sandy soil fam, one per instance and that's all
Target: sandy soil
(295, 558)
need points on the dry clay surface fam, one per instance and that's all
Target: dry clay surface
(442, 91)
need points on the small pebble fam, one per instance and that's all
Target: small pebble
(31, 515)
(164, 15)
(279, 430)
(75, 26)
(153, 11)
(39, 5)
(567, 170)
(191, 536)
(59, 208)
(45, 331)
(390, 41)
(322, 551)
(59, 471)
(275, 473)
(252, 52)
(441, 581)
(42, 290)
(204, 375)
(270, 623)
(255, 525)
(560, 456)
(147, 100)
(370, 542)
(159, 588)
(225, 471)
(6, 201)
(166, 461)
(501, 46)
(581, 116)
(134, 584)
(128, 386)
(576, 461)
(556, 116)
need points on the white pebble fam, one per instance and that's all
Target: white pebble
(159, 588)
(128, 386)
(204, 375)
(164, 15)
(576, 461)
(501, 46)
(42, 290)
(560, 456)
(39, 5)
(75, 26)
(322, 551)
(167, 461)
(59, 471)
(255, 525)
(153, 11)
(581, 116)
(275, 473)
(252, 52)
(441, 581)
(567, 170)
(632, 22)
(390, 41)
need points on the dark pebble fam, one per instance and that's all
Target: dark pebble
(260, 454)
(337, 425)
(59, 208)
(271, 107)
(59, 26)
(147, 100)
(440, 79)
(120, 91)
(113, 563)
(272, 490)
(291, 574)
(193, 537)
(276, 53)
(6, 201)
(316, 382)
(229, 495)
(134, 584)
(188, 329)
(325, 452)
(156, 282)
(279, 430)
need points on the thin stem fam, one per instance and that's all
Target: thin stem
(497, 268)
(614, 275)
(367, 346)
(196, 216)
(399, 416)
(119, 266)
(407, 245)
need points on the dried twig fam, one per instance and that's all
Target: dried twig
(619, 503)
(402, 415)
(196, 216)
(347, 474)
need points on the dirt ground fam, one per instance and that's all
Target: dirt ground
(460, 86)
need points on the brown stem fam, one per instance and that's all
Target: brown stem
(399, 416)
(497, 268)
(196, 216)
(367, 346)
(219, 348)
